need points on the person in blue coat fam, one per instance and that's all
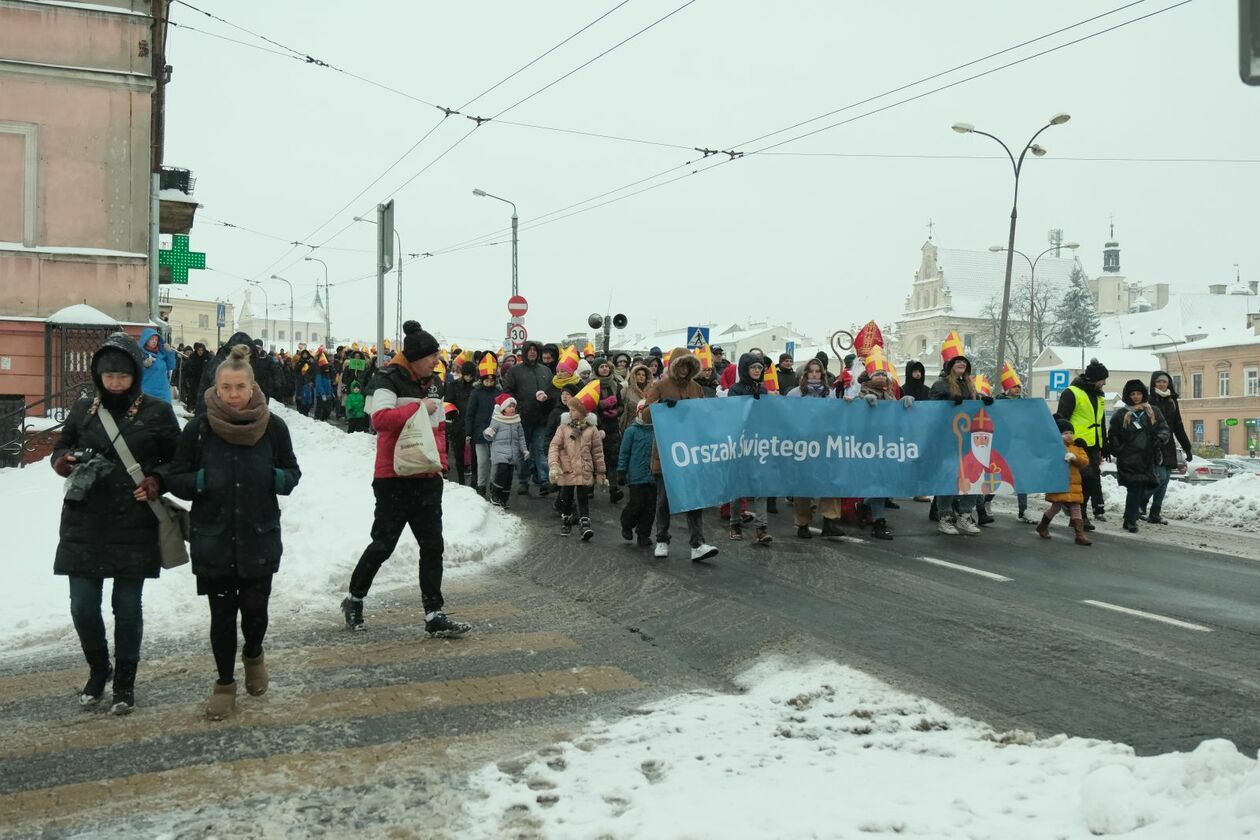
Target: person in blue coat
(634, 466)
(159, 364)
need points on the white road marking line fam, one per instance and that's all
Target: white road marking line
(960, 568)
(1185, 625)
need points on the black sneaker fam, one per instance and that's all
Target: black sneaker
(891, 505)
(566, 527)
(353, 611)
(627, 534)
(804, 533)
(585, 527)
(831, 528)
(442, 627)
(879, 530)
(544, 489)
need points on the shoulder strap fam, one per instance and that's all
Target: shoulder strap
(120, 446)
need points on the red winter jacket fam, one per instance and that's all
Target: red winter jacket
(394, 395)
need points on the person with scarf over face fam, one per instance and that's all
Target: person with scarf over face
(232, 464)
(608, 419)
(107, 530)
(1137, 436)
(877, 388)
(399, 390)
(749, 384)
(1165, 401)
(955, 384)
(814, 385)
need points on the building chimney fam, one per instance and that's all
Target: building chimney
(1216, 289)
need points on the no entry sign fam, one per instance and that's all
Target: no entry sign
(517, 334)
(517, 306)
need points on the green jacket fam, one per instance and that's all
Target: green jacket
(354, 406)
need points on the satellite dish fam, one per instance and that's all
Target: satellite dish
(620, 321)
(596, 320)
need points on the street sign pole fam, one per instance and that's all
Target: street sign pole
(384, 262)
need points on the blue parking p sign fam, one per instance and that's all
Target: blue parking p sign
(1058, 380)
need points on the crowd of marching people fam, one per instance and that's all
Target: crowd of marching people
(543, 420)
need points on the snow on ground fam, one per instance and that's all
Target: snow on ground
(1229, 503)
(822, 750)
(325, 525)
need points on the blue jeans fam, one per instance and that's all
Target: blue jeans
(536, 464)
(1155, 495)
(85, 609)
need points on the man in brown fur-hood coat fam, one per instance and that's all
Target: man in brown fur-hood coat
(678, 383)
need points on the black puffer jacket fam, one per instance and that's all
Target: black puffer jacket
(1170, 408)
(524, 381)
(1137, 440)
(109, 534)
(235, 515)
(745, 385)
(917, 388)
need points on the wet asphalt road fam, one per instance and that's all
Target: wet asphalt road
(1026, 652)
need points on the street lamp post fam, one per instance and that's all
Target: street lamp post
(1017, 165)
(292, 343)
(1176, 345)
(327, 301)
(1032, 297)
(515, 222)
(267, 301)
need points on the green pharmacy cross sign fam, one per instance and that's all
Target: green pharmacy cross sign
(179, 259)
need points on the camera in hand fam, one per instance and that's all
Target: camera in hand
(83, 455)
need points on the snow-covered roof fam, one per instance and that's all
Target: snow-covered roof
(1187, 317)
(81, 313)
(1234, 338)
(176, 195)
(974, 278)
(1114, 358)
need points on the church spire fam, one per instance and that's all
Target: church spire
(1111, 251)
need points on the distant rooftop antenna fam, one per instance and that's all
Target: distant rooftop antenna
(1056, 240)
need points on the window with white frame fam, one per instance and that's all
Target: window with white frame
(19, 157)
(203, 321)
(1251, 382)
(1222, 383)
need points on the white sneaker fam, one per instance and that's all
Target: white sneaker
(703, 552)
(661, 551)
(946, 526)
(966, 525)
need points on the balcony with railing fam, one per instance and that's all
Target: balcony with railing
(178, 207)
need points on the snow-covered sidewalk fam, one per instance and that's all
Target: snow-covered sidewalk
(1229, 503)
(325, 525)
(825, 751)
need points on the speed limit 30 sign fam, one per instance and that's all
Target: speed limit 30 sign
(517, 334)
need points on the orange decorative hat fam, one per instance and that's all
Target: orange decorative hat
(770, 378)
(704, 355)
(569, 353)
(951, 347)
(439, 370)
(867, 339)
(1010, 379)
(567, 366)
(489, 365)
(983, 385)
(589, 396)
(982, 422)
(589, 349)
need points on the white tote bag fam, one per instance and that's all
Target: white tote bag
(416, 452)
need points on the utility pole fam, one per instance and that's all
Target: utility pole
(384, 262)
(157, 139)
(327, 300)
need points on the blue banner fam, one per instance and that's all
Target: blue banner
(716, 450)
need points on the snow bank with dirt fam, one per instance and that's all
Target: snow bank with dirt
(827, 751)
(325, 525)
(1229, 503)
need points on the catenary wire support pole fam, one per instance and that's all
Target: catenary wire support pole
(1032, 294)
(327, 301)
(1017, 165)
(271, 336)
(292, 341)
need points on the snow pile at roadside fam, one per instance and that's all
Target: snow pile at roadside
(1230, 503)
(325, 525)
(826, 751)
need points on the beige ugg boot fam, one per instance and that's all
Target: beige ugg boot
(256, 680)
(222, 704)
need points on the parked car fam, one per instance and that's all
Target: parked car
(1240, 464)
(1201, 470)
(1232, 468)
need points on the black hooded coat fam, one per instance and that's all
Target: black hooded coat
(108, 533)
(524, 381)
(1170, 407)
(1137, 440)
(917, 388)
(745, 385)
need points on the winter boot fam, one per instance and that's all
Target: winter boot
(523, 490)
(437, 625)
(831, 528)
(737, 531)
(1155, 519)
(879, 530)
(982, 515)
(804, 533)
(1043, 527)
(614, 493)
(124, 699)
(353, 611)
(222, 703)
(584, 527)
(98, 662)
(543, 489)
(763, 536)
(481, 490)
(566, 526)
(627, 534)
(256, 679)
(1079, 528)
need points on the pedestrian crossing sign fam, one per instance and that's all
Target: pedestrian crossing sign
(697, 337)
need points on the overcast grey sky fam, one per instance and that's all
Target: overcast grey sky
(279, 145)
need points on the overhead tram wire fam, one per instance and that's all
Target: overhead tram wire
(538, 221)
(1048, 159)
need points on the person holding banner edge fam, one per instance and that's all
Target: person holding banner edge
(814, 384)
(749, 384)
(955, 384)
(677, 384)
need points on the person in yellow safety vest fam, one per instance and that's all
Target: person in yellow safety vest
(1083, 405)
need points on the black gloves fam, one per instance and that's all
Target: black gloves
(958, 400)
(986, 399)
(670, 403)
(621, 478)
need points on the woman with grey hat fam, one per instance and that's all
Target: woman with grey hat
(107, 530)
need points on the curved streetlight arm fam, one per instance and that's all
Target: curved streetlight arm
(1005, 148)
(484, 194)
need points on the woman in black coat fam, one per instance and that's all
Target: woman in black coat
(232, 464)
(1137, 435)
(107, 530)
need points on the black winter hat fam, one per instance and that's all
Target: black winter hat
(468, 369)
(113, 360)
(417, 344)
(1134, 385)
(821, 356)
(1063, 425)
(1096, 371)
